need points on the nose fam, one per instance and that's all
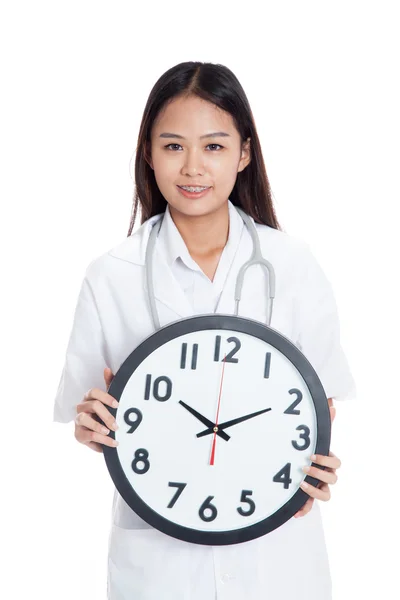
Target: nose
(194, 164)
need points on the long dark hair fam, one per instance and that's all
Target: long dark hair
(217, 84)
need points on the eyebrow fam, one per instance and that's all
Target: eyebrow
(208, 135)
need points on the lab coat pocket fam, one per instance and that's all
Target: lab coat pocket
(145, 564)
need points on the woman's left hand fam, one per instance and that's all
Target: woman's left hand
(327, 476)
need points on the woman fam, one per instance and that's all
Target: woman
(197, 130)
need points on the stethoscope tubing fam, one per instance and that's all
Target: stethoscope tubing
(255, 259)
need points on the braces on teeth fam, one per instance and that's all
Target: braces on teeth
(193, 189)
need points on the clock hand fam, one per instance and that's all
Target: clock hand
(216, 431)
(205, 421)
(232, 422)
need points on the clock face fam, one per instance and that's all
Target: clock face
(217, 416)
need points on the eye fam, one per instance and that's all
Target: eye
(172, 144)
(215, 145)
(168, 145)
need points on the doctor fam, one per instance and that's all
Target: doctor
(197, 131)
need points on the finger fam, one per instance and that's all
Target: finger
(325, 476)
(98, 408)
(108, 376)
(88, 436)
(85, 420)
(95, 447)
(331, 461)
(79, 431)
(320, 493)
(332, 410)
(305, 509)
(303, 512)
(98, 394)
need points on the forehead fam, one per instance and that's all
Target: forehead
(192, 117)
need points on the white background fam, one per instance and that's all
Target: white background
(322, 81)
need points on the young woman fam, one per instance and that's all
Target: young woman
(198, 131)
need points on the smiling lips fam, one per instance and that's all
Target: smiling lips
(194, 188)
(193, 192)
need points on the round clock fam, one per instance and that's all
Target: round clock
(217, 416)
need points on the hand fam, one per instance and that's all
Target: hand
(233, 422)
(332, 463)
(88, 430)
(204, 420)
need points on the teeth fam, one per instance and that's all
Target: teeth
(193, 189)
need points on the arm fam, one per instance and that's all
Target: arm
(316, 311)
(85, 358)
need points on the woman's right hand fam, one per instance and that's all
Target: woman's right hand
(87, 429)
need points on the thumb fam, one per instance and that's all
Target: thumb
(332, 410)
(108, 376)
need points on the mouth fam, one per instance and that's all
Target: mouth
(193, 191)
(194, 188)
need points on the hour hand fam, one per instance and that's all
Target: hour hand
(205, 421)
(232, 422)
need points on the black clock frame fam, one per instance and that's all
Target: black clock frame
(240, 325)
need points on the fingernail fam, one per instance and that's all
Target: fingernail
(114, 426)
(304, 484)
(115, 404)
(313, 456)
(306, 469)
(105, 431)
(115, 443)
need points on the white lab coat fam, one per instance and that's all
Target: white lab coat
(111, 319)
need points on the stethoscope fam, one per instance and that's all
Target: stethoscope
(255, 259)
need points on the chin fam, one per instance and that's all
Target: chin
(196, 207)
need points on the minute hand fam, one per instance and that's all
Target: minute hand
(233, 422)
(204, 420)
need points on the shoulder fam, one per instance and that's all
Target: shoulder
(298, 269)
(293, 259)
(130, 250)
(286, 247)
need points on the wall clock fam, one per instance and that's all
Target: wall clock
(217, 416)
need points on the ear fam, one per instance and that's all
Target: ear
(245, 157)
(147, 155)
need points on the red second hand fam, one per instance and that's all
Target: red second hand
(216, 420)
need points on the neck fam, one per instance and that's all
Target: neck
(204, 234)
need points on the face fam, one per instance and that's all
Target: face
(189, 155)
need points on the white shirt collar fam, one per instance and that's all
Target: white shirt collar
(173, 246)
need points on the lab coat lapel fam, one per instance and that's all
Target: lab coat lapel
(170, 297)
(171, 302)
